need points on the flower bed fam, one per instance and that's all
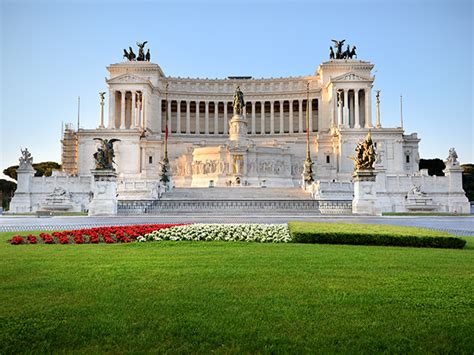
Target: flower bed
(273, 233)
(109, 235)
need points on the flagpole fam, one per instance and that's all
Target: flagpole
(308, 156)
(165, 159)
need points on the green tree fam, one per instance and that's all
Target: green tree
(434, 166)
(468, 180)
(6, 192)
(44, 168)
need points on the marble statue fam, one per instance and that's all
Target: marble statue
(102, 96)
(26, 159)
(239, 102)
(452, 156)
(365, 154)
(104, 157)
(416, 190)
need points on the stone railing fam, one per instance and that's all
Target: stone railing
(136, 207)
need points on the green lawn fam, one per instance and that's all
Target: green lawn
(182, 297)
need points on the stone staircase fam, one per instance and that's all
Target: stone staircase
(236, 193)
(232, 201)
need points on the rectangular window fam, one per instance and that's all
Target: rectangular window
(328, 159)
(407, 158)
(150, 160)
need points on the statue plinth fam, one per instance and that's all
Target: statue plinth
(365, 193)
(238, 128)
(104, 189)
(364, 175)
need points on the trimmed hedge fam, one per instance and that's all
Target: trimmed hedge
(399, 236)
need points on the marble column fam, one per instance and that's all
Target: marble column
(272, 117)
(356, 109)
(122, 110)
(206, 117)
(262, 117)
(225, 118)
(254, 104)
(291, 116)
(350, 121)
(198, 124)
(134, 103)
(144, 110)
(168, 110)
(368, 107)
(216, 117)
(160, 114)
(300, 117)
(139, 109)
(188, 117)
(339, 108)
(111, 123)
(345, 110)
(178, 116)
(282, 127)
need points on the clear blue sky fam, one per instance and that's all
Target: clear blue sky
(54, 51)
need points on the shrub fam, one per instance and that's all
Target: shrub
(386, 236)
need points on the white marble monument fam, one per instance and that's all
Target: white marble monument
(264, 144)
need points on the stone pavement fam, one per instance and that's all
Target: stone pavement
(461, 225)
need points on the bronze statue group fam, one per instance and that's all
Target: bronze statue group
(340, 54)
(131, 56)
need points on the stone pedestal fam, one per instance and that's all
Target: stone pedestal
(365, 194)
(457, 200)
(238, 128)
(21, 201)
(104, 188)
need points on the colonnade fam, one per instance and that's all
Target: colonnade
(349, 108)
(126, 109)
(263, 116)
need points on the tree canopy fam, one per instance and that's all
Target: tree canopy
(468, 180)
(7, 188)
(434, 166)
(44, 168)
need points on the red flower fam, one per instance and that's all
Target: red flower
(32, 239)
(17, 239)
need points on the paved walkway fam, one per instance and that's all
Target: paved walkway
(460, 225)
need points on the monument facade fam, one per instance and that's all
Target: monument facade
(245, 131)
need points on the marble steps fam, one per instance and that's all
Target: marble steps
(236, 193)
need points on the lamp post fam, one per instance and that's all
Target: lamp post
(308, 164)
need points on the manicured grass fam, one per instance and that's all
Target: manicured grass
(372, 234)
(182, 297)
